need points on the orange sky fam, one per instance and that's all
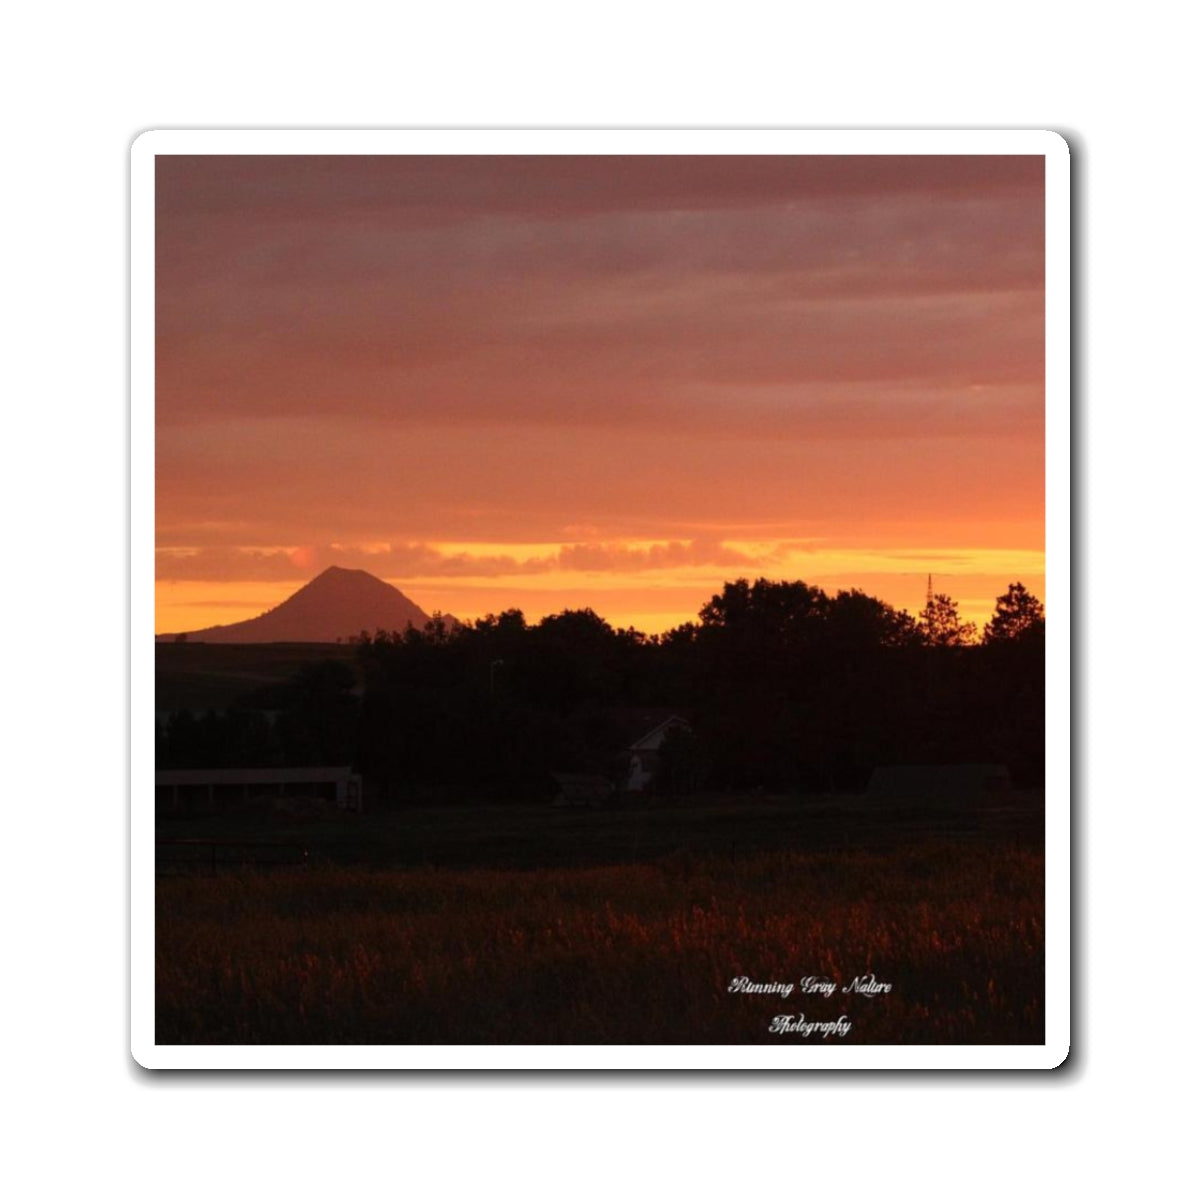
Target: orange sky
(614, 382)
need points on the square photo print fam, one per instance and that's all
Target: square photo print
(610, 597)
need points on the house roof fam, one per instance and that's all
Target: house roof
(654, 738)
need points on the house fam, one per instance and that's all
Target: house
(225, 790)
(644, 754)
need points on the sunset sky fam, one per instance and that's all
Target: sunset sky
(609, 382)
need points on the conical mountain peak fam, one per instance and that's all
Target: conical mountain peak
(336, 605)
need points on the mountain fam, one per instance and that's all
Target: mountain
(338, 604)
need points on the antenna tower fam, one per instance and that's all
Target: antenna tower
(928, 590)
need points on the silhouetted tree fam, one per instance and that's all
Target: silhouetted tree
(786, 613)
(859, 622)
(682, 764)
(783, 686)
(318, 724)
(1019, 617)
(940, 624)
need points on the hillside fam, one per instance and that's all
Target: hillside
(335, 606)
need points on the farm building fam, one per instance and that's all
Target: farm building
(957, 782)
(644, 753)
(221, 790)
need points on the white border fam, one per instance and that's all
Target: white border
(1058, 591)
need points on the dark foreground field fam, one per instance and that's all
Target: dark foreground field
(490, 938)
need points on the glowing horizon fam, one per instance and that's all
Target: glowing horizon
(663, 599)
(548, 383)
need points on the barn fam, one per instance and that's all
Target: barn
(967, 783)
(229, 790)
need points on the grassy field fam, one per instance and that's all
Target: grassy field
(535, 926)
(533, 836)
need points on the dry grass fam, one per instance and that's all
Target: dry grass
(611, 954)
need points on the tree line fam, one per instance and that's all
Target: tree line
(783, 686)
